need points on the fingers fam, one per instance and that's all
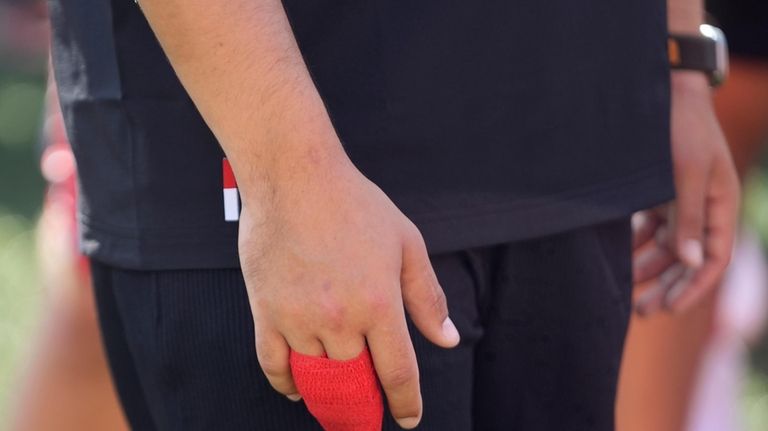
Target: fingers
(654, 256)
(689, 216)
(644, 225)
(395, 363)
(653, 298)
(272, 352)
(343, 347)
(651, 262)
(423, 297)
(722, 217)
(683, 295)
(305, 343)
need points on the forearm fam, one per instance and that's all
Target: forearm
(240, 63)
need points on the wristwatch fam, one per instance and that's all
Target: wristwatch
(706, 52)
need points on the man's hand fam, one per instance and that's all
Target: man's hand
(684, 247)
(329, 265)
(328, 259)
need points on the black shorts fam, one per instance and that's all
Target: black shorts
(542, 323)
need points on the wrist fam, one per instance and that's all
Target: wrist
(289, 170)
(689, 83)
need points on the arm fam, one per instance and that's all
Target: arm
(328, 259)
(686, 246)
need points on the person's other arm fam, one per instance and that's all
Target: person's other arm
(329, 261)
(693, 237)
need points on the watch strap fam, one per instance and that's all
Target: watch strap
(692, 52)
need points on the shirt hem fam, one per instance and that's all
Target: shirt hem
(443, 231)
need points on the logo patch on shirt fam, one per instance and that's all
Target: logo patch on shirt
(231, 196)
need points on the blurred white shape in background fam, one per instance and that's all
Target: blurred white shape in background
(740, 319)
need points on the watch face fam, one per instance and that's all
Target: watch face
(721, 52)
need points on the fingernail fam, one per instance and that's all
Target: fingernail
(450, 332)
(294, 397)
(692, 253)
(408, 423)
(677, 289)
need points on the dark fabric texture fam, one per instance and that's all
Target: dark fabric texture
(542, 323)
(485, 122)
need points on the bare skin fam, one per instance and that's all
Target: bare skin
(240, 64)
(330, 263)
(681, 252)
(684, 247)
(663, 353)
(66, 384)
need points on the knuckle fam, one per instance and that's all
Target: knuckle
(400, 376)
(376, 302)
(271, 365)
(272, 370)
(437, 301)
(334, 315)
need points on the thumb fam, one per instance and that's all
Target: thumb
(423, 297)
(688, 220)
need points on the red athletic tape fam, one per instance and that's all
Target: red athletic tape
(341, 395)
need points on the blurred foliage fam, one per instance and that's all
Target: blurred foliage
(756, 215)
(756, 202)
(21, 190)
(21, 101)
(755, 402)
(20, 297)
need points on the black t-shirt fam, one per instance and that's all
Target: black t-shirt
(484, 121)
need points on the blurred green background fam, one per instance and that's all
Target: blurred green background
(22, 87)
(755, 397)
